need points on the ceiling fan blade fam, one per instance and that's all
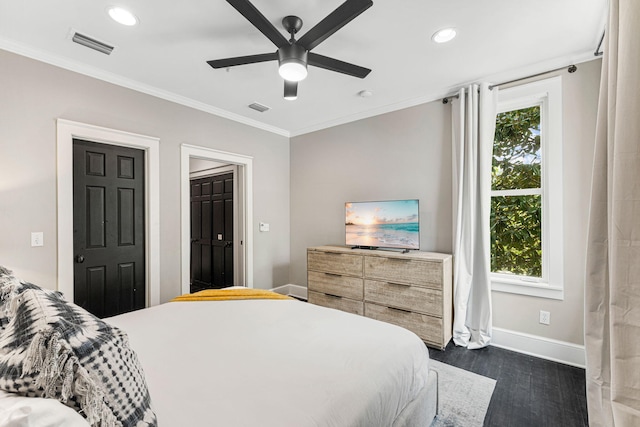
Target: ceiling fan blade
(258, 20)
(337, 65)
(333, 22)
(290, 90)
(242, 60)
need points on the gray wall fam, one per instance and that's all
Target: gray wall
(300, 187)
(401, 155)
(33, 95)
(521, 313)
(407, 154)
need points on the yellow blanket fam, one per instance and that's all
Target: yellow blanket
(229, 294)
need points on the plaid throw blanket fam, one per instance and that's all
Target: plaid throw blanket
(52, 348)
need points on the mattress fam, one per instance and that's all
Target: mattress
(277, 363)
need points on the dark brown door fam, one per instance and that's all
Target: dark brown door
(212, 232)
(108, 223)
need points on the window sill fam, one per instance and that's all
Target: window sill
(522, 287)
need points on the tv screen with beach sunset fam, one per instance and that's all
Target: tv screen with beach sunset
(384, 224)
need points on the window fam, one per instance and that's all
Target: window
(526, 191)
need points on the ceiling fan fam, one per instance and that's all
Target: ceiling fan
(294, 55)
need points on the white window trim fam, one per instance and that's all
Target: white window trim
(548, 94)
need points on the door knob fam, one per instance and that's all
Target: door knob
(80, 259)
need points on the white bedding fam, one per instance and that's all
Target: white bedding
(19, 411)
(273, 363)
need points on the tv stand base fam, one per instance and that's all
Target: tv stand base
(376, 248)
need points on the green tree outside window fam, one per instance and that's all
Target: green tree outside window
(516, 202)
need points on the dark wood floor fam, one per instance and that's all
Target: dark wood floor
(529, 391)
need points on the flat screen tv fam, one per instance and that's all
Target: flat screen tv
(383, 224)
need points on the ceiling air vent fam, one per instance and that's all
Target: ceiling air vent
(259, 107)
(92, 43)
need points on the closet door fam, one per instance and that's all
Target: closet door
(212, 232)
(109, 228)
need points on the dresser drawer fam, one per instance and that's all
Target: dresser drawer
(428, 328)
(339, 303)
(412, 298)
(403, 270)
(336, 284)
(328, 262)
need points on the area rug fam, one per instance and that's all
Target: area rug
(463, 396)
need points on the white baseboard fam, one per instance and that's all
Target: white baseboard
(545, 348)
(292, 290)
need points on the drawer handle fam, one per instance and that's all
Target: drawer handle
(333, 274)
(333, 296)
(404, 285)
(399, 309)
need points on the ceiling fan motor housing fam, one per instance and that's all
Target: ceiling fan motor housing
(292, 53)
(293, 56)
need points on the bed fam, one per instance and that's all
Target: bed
(265, 362)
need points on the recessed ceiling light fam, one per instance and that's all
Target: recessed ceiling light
(122, 16)
(444, 35)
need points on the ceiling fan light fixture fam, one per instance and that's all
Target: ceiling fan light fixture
(444, 35)
(122, 16)
(293, 63)
(293, 71)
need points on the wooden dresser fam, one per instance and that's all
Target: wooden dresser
(412, 290)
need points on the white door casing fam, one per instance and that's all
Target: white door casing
(68, 130)
(245, 214)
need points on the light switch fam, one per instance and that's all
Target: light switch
(37, 238)
(264, 226)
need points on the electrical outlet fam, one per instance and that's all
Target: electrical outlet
(37, 238)
(545, 317)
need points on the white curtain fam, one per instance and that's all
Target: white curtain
(612, 289)
(474, 121)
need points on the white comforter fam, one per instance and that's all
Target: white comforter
(263, 363)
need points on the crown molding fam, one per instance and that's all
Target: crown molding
(96, 73)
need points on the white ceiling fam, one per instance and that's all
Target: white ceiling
(165, 55)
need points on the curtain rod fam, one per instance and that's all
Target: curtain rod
(571, 69)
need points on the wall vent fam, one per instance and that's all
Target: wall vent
(92, 43)
(259, 107)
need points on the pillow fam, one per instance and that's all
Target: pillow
(52, 348)
(18, 411)
(10, 287)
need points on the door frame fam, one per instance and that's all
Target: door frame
(245, 213)
(67, 131)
